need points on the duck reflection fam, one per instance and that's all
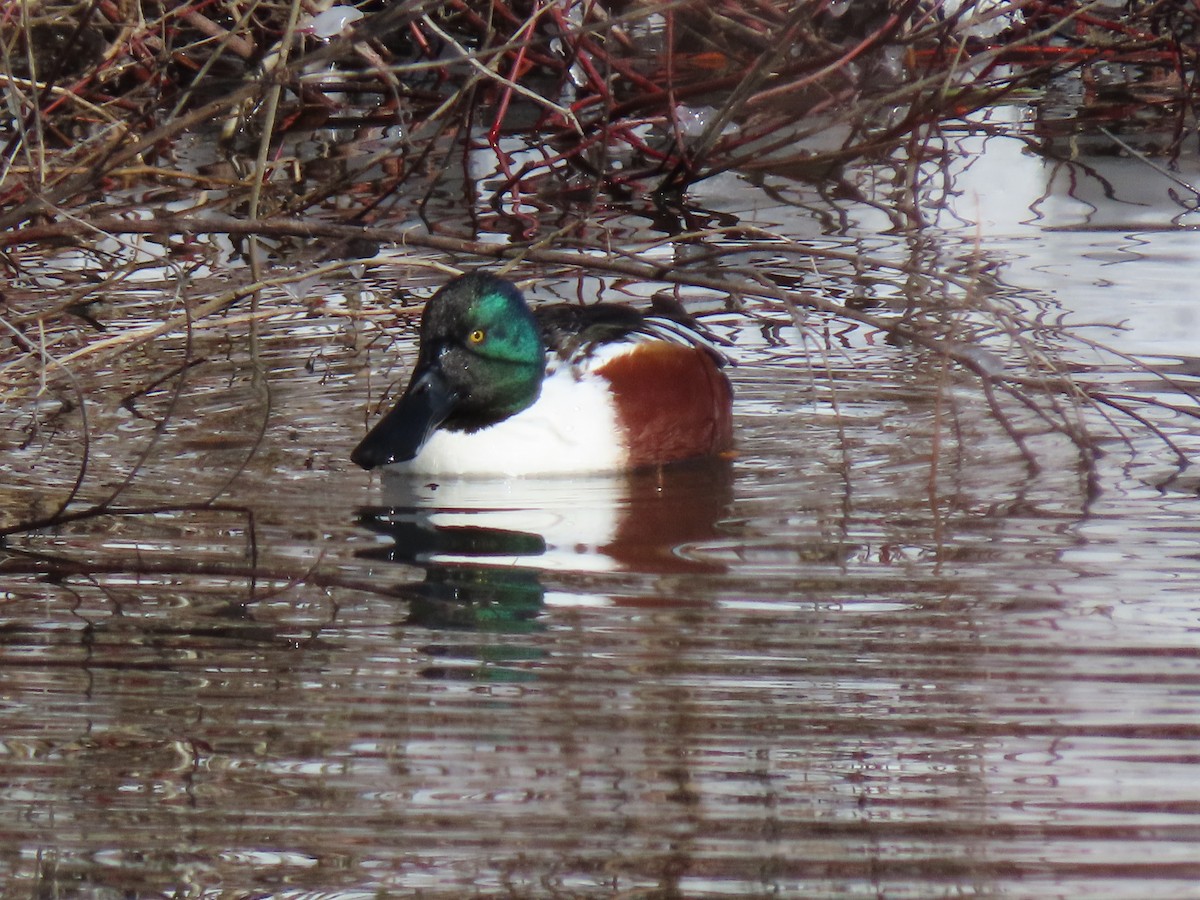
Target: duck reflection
(487, 547)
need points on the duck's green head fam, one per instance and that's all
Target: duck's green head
(481, 361)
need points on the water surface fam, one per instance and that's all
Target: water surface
(876, 654)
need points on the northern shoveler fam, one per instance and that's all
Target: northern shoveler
(500, 389)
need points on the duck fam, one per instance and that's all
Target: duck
(501, 389)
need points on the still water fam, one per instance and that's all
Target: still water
(875, 654)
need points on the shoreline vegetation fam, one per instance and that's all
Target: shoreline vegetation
(582, 107)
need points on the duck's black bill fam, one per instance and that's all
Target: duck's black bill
(400, 435)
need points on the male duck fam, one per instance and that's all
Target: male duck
(502, 390)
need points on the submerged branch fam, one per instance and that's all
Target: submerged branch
(737, 286)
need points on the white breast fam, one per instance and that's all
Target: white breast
(571, 429)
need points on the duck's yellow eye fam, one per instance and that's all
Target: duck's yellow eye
(476, 336)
